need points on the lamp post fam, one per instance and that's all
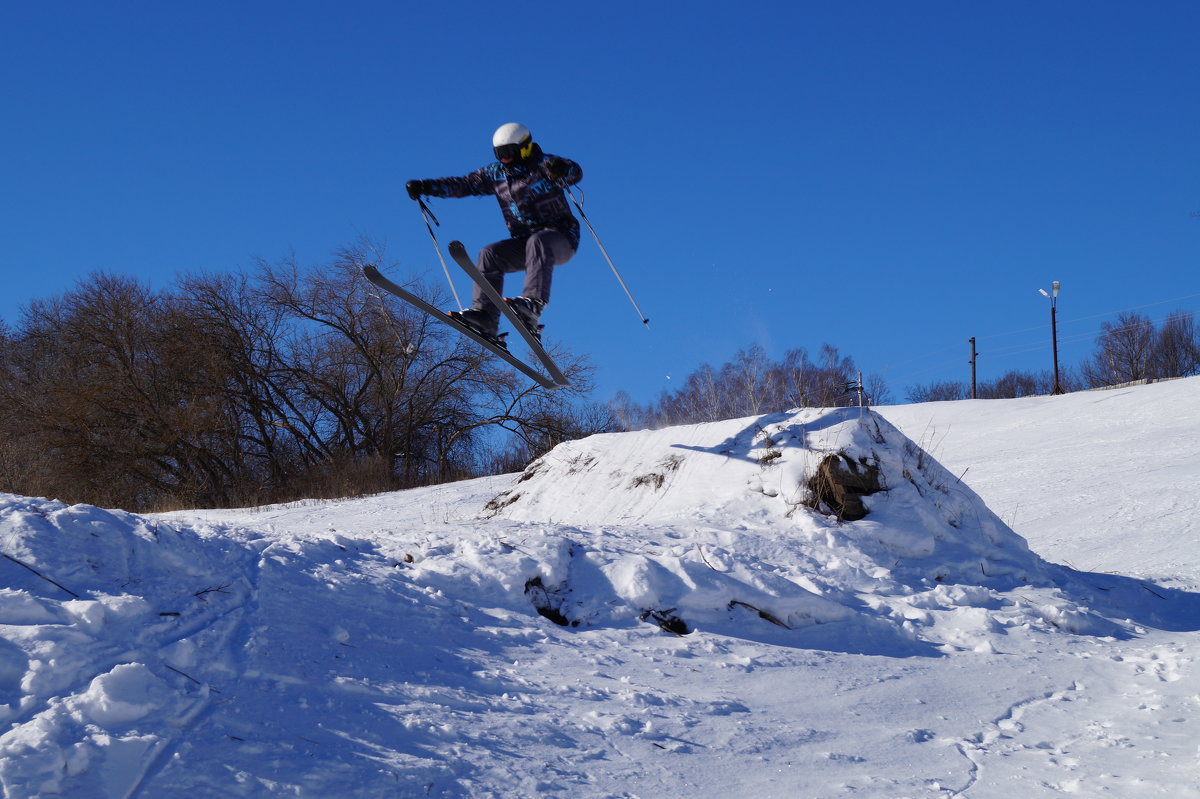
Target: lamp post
(1053, 296)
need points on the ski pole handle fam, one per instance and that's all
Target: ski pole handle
(427, 213)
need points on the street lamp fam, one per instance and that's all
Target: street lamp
(1053, 296)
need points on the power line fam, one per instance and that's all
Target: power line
(1086, 318)
(1022, 348)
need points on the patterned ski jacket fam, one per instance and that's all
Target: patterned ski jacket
(529, 199)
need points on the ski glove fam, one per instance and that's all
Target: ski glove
(416, 188)
(556, 168)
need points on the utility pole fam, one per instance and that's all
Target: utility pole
(974, 355)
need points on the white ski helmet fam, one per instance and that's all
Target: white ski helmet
(512, 141)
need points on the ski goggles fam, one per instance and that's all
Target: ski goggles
(514, 152)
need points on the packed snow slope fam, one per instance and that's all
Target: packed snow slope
(695, 611)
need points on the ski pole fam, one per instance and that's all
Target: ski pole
(611, 265)
(427, 215)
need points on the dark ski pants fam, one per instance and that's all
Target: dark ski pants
(536, 255)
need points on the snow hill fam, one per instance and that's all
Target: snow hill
(696, 611)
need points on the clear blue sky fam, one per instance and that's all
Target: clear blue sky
(890, 178)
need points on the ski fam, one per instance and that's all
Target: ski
(459, 253)
(382, 282)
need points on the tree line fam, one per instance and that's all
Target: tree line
(752, 383)
(1128, 349)
(241, 389)
(290, 382)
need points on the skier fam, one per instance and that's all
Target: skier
(528, 184)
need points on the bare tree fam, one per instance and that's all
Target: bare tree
(1124, 351)
(234, 389)
(1014, 384)
(106, 385)
(1177, 346)
(1011, 384)
(938, 391)
(750, 384)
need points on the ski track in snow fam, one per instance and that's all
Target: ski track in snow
(502, 637)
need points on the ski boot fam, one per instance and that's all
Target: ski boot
(481, 323)
(528, 310)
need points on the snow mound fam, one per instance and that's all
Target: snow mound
(761, 537)
(759, 474)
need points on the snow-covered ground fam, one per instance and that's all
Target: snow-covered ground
(653, 614)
